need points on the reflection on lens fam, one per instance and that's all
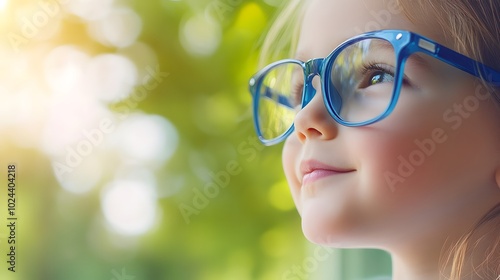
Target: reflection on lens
(278, 99)
(362, 80)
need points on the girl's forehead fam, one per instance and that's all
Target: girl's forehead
(327, 23)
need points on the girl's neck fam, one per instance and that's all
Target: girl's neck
(434, 259)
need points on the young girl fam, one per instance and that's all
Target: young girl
(390, 118)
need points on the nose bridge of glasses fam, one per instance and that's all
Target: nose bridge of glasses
(312, 68)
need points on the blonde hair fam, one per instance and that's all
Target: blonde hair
(281, 40)
(473, 27)
(459, 254)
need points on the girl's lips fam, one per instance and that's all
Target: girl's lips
(318, 174)
(312, 170)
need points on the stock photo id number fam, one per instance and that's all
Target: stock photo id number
(11, 222)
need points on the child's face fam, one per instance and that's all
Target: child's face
(427, 168)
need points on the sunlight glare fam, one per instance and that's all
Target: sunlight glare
(3, 4)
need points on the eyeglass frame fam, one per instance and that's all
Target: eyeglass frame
(405, 43)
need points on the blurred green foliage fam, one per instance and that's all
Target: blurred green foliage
(249, 230)
(224, 209)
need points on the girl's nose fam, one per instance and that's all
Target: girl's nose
(314, 121)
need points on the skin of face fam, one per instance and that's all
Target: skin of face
(450, 188)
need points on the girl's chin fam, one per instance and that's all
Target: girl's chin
(334, 239)
(330, 229)
(322, 232)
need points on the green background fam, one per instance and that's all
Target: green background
(222, 206)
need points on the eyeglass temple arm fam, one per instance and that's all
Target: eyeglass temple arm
(280, 98)
(461, 61)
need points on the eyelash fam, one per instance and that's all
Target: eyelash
(298, 88)
(377, 67)
(383, 68)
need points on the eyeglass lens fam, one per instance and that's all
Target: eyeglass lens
(359, 87)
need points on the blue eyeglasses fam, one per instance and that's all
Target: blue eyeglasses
(361, 81)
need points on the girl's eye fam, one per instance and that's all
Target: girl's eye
(375, 74)
(381, 77)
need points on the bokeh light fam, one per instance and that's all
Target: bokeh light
(144, 58)
(146, 138)
(110, 77)
(73, 120)
(199, 35)
(82, 178)
(279, 196)
(65, 68)
(119, 28)
(129, 206)
(89, 10)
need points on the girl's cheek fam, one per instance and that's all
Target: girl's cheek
(399, 151)
(384, 169)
